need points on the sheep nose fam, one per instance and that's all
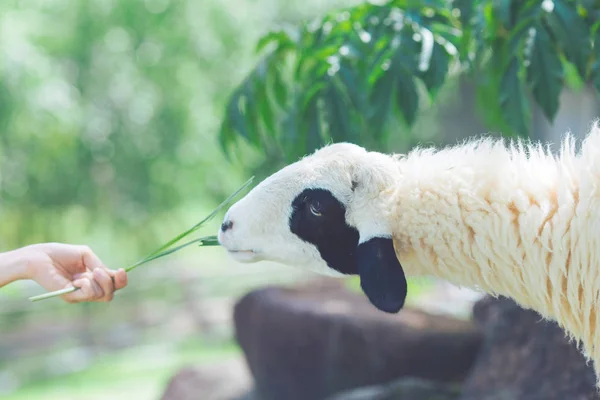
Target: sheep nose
(226, 225)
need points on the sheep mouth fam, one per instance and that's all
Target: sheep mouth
(246, 256)
(242, 251)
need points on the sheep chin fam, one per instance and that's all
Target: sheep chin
(244, 256)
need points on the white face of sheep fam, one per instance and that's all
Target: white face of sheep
(323, 213)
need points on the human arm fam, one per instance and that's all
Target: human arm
(56, 266)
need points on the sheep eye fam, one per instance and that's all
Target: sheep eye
(314, 211)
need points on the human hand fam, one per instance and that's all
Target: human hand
(56, 266)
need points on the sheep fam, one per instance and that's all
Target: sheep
(504, 217)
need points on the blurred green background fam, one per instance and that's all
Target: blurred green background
(109, 113)
(109, 117)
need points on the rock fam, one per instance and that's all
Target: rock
(404, 389)
(249, 395)
(311, 342)
(222, 381)
(525, 358)
(445, 298)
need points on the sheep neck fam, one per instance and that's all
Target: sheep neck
(521, 225)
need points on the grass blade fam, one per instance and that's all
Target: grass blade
(53, 294)
(201, 223)
(204, 241)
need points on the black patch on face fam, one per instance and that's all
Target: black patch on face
(319, 218)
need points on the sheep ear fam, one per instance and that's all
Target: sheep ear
(381, 275)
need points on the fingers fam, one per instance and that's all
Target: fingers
(119, 278)
(105, 282)
(96, 286)
(89, 290)
(108, 280)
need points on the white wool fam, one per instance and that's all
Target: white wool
(511, 220)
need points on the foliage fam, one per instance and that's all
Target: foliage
(345, 75)
(109, 113)
(98, 113)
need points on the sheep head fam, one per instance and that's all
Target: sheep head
(326, 213)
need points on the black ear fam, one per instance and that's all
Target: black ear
(381, 276)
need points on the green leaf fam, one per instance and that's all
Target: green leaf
(311, 68)
(527, 18)
(406, 4)
(349, 77)
(381, 100)
(437, 68)
(527, 10)
(314, 134)
(279, 86)
(502, 12)
(226, 137)
(249, 102)
(466, 8)
(545, 73)
(317, 88)
(338, 118)
(480, 30)
(236, 118)
(487, 93)
(466, 11)
(513, 101)
(572, 78)
(383, 54)
(374, 23)
(267, 113)
(261, 84)
(596, 75)
(595, 70)
(289, 136)
(271, 37)
(209, 241)
(572, 33)
(407, 97)
(285, 37)
(407, 54)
